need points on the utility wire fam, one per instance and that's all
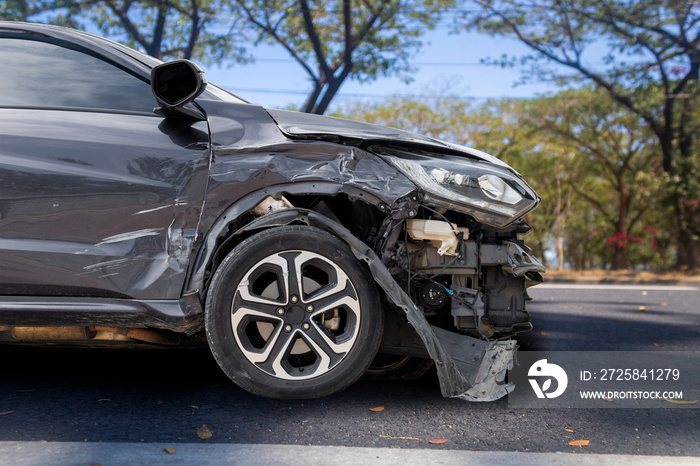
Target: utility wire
(243, 90)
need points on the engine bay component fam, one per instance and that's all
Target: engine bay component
(443, 235)
(270, 204)
(433, 295)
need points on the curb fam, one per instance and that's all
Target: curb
(571, 280)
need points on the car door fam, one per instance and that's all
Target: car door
(99, 195)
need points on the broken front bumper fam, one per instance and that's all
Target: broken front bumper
(468, 368)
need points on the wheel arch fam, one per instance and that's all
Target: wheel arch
(232, 226)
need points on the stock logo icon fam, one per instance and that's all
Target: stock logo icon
(546, 371)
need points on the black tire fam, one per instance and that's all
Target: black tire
(393, 367)
(278, 340)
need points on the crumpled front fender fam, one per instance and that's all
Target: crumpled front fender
(468, 368)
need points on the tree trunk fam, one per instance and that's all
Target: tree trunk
(560, 252)
(619, 261)
(618, 258)
(539, 248)
(561, 220)
(688, 250)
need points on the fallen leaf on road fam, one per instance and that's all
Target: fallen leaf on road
(104, 399)
(377, 409)
(474, 449)
(5, 413)
(579, 443)
(568, 430)
(659, 344)
(544, 334)
(644, 293)
(438, 441)
(399, 438)
(664, 304)
(642, 308)
(159, 402)
(170, 450)
(95, 464)
(194, 406)
(204, 432)
(681, 402)
(607, 399)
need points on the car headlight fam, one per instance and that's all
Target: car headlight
(496, 188)
(491, 194)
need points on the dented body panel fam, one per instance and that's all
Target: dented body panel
(98, 204)
(308, 126)
(252, 159)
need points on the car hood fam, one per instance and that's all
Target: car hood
(297, 125)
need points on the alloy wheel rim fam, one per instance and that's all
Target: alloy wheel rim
(295, 315)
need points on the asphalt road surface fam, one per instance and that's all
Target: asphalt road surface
(162, 397)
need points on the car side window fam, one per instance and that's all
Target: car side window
(43, 74)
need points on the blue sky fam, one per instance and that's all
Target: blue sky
(446, 61)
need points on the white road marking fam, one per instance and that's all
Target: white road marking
(602, 286)
(134, 454)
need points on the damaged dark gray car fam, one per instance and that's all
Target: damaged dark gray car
(139, 203)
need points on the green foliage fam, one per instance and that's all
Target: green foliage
(162, 28)
(437, 114)
(650, 66)
(13, 10)
(343, 39)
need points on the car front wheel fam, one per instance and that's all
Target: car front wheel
(291, 313)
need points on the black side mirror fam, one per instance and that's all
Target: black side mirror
(175, 84)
